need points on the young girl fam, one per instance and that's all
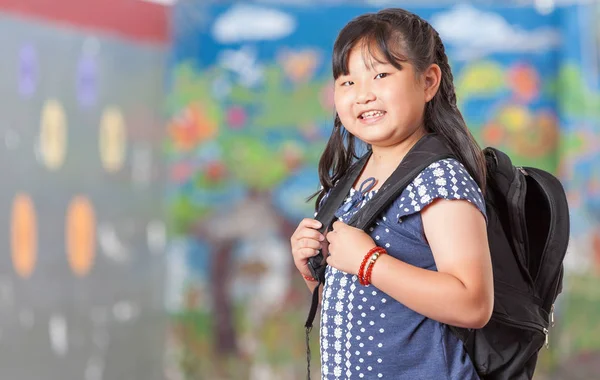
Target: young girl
(393, 85)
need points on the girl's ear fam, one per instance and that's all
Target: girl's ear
(432, 78)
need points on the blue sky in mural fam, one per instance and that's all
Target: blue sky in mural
(197, 42)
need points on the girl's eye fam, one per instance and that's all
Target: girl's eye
(347, 83)
(381, 75)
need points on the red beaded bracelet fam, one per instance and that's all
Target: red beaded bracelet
(362, 279)
(309, 278)
(361, 269)
(370, 269)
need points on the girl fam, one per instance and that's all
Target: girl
(393, 85)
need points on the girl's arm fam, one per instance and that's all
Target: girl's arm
(461, 292)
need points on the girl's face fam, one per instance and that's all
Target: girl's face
(378, 103)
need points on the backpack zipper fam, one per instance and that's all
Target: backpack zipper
(552, 321)
(527, 325)
(522, 246)
(560, 278)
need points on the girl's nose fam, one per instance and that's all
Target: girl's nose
(365, 97)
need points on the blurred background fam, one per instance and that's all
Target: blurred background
(157, 156)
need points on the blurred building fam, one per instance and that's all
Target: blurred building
(81, 132)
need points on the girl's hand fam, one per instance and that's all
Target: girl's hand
(305, 242)
(348, 247)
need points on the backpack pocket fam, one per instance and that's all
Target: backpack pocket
(548, 229)
(506, 348)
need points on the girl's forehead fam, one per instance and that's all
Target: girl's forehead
(366, 56)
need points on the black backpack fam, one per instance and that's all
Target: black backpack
(528, 233)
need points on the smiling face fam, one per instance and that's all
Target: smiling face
(377, 102)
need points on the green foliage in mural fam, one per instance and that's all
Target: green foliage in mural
(259, 135)
(575, 94)
(480, 79)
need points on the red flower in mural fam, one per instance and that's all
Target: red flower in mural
(236, 117)
(493, 134)
(191, 127)
(215, 171)
(524, 81)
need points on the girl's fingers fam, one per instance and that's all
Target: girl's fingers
(305, 253)
(308, 243)
(308, 233)
(310, 223)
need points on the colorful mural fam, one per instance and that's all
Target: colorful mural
(250, 109)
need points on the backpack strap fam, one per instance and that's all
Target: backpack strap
(506, 190)
(326, 213)
(425, 152)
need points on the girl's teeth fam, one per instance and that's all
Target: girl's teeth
(371, 114)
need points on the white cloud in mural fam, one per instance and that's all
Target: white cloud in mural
(475, 33)
(244, 23)
(243, 62)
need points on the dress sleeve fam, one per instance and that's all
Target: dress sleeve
(444, 179)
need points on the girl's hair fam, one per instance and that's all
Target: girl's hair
(400, 36)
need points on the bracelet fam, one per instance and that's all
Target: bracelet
(361, 269)
(371, 256)
(372, 264)
(365, 276)
(308, 278)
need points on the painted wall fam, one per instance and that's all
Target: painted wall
(250, 108)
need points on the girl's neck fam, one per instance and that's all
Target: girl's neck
(385, 160)
(388, 158)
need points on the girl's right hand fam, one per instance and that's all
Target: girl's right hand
(305, 242)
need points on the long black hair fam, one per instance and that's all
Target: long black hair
(400, 36)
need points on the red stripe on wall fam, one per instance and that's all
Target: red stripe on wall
(131, 19)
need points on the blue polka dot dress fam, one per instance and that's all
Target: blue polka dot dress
(364, 333)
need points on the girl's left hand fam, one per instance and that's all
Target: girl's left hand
(347, 247)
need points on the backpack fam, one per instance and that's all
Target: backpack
(528, 233)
